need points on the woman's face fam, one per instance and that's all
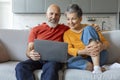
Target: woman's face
(73, 21)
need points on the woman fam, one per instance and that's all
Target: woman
(86, 46)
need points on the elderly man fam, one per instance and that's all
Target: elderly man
(50, 30)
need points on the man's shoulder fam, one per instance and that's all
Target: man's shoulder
(63, 26)
(39, 26)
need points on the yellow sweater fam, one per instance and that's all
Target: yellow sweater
(75, 43)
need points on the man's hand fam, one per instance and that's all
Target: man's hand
(31, 53)
(97, 27)
(34, 55)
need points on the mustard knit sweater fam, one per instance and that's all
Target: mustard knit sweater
(75, 43)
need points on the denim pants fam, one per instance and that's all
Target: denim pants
(24, 70)
(81, 63)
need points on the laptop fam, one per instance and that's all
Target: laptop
(51, 50)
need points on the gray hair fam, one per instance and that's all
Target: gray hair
(74, 8)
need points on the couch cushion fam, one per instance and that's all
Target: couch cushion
(75, 74)
(38, 74)
(3, 53)
(7, 70)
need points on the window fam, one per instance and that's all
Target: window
(5, 14)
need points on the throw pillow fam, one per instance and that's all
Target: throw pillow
(118, 60)
(3, 53)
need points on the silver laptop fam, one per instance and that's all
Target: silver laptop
(51, 50)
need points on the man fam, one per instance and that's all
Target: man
(47, 31)
(50, 30)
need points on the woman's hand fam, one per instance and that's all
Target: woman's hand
(34, 55)
(94, 50)
(90, 50)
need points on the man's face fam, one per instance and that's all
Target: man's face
(53, 16)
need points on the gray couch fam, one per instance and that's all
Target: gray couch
(15, 41)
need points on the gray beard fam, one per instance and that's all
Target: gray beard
(52, 25)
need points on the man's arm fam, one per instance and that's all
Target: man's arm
(97, 27)
(30, 47)
(31, 53)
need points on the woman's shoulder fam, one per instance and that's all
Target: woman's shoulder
(68, 32)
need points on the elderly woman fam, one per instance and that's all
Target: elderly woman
(86, 45)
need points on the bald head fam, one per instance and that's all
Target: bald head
(53, 7)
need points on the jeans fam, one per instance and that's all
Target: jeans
(24, 70)
(81, 63)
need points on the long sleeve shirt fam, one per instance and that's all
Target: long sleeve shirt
(74, 42)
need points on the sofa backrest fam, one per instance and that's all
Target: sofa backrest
(15, 41)
(114, 50)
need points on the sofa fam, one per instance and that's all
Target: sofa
(14, 43)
